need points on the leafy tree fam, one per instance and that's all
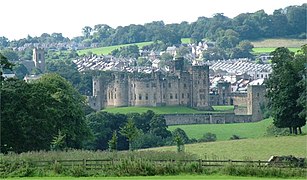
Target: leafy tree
(103, 125)
(4, 65)
(10, 54)
(130, 131)
(181, 133)
(158, 126)
(86, 31)
(283, 91)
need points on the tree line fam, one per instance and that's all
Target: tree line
(287, 22)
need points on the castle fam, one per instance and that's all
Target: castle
(182, 85)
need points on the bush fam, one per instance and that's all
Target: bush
(274, 131)
(234, 137)
(208, 137)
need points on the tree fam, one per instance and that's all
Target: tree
(283, 91)
(130, 131)
(113, 142)
(86, 31)
(4, 65)
(10, 54)
(158, 126)
(181, 133)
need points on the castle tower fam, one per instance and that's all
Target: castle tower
(39, 58)
(200, 87)
(121, 90)
(255, 99)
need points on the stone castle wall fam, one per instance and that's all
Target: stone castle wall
(218, 118)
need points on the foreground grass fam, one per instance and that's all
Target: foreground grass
(245, 149)
(149, 177)
(167, 110)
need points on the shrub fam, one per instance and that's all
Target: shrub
(234, 137)
(274, 131)
(208, 137)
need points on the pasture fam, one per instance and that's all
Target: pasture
(282, 42)
(108, 49)
(225, 131)
(167, 110)
(247, 149)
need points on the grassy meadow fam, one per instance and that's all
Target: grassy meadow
(273, 43)
(168, 110)
(225, 131)
(246, 149)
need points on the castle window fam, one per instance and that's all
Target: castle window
(257, 94)
(146, 96)
(39, 56)
(153, 84)
(185, 85)
(169, 85)
(176, 97)
(204, 82)
(163, 84)
(261, 75)
(115, 89)
(115, 96)
(182, 95)
(116, 81)
(134, 96)
(197, 82)
(94, 83)
(163, 96)
(188, 95)
(155, 96)
(140, 96)
(94, 104)
(147, 85)
(171, 96)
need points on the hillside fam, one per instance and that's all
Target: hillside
(245, 149)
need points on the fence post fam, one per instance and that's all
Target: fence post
(84, 164)
(200, 163)
(259, 162)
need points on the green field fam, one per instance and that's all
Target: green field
(167, 110)
(148, 177)
(244, 149)
(108, 49)
(260, 50)
(225, 131)
(282, 42)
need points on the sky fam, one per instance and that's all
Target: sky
(20, 18)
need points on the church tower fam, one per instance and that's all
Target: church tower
(39, 59)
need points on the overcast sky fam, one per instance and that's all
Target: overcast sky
(19, 18)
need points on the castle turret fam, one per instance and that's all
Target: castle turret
(255, 101)
(121, 90)
(200, 87)
(39, 59)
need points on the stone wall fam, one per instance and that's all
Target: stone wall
(216, 118)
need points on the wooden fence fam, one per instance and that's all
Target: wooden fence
(100, 164)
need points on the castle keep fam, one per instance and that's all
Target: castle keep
(181, 86)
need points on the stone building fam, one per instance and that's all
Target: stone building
(39, 59)
(182, 86)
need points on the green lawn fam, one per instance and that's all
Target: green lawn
(167, 110)
(255, 149)
(148, 177)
